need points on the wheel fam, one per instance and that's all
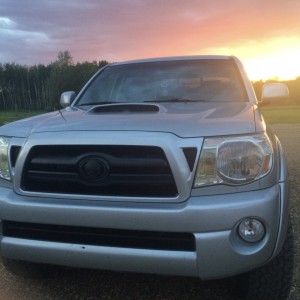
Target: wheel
(273, 280)
(28, 269)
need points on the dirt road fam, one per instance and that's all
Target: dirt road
(89, 285)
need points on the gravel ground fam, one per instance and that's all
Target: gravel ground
(89, 285)
(289, 136)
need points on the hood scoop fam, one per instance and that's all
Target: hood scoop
(124, 108)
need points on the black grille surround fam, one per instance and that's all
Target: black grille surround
(99, 170)
(153, 240)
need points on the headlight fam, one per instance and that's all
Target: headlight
(4, 166)
(234, 160)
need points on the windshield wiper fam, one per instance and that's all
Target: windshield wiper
(178, 100)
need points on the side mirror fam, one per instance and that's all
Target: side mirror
(274, 91)
(67, 98)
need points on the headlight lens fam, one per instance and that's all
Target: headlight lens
(4, 166)
(234, 160)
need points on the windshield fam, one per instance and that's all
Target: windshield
(166, 81)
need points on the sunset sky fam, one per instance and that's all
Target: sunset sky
(264, 34)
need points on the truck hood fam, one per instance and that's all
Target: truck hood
(182, 119)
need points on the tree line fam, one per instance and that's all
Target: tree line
(39, 87)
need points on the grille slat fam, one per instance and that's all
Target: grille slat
(130, 171)
(174, 241)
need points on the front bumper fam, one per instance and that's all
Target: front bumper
(212, 220)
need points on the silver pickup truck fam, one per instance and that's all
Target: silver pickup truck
(161, 166)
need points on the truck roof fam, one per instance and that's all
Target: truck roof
(173, 58)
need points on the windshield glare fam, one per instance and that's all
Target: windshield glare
(195, 80)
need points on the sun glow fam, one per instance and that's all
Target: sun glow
(281, 66)
(272, 59)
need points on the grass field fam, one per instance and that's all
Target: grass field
(273, 114)
(281, 114)
(10, 116)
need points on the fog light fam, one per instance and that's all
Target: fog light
(251, 230)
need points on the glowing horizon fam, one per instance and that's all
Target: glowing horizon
(264, 35)
(274, 59)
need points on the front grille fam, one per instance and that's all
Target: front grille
(133, 171)
(173, 241)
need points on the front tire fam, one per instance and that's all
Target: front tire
(274, 280)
